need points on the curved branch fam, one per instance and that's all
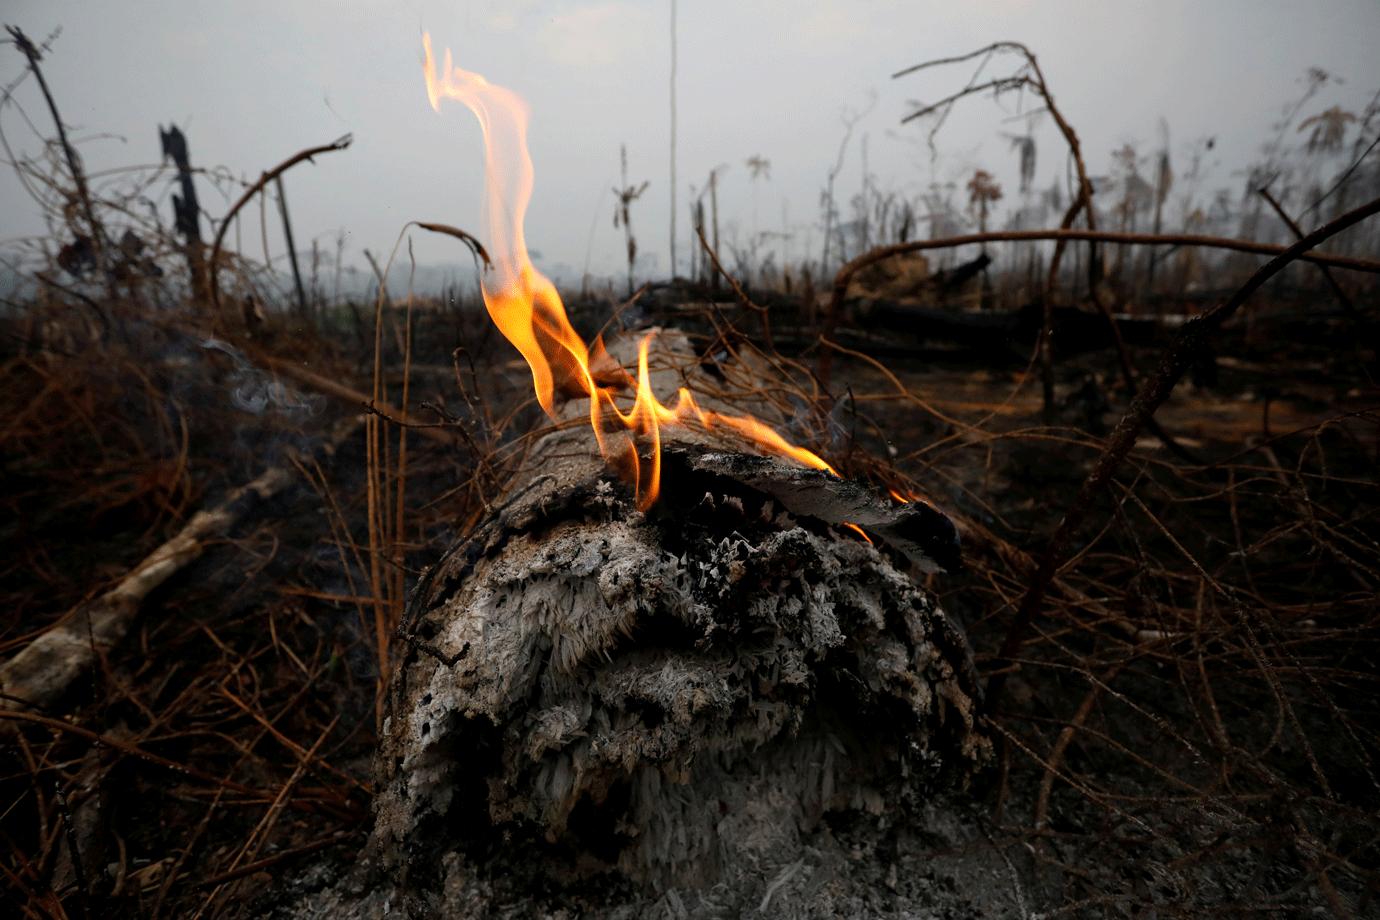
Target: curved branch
(739, 292)
(995, 46)
(469, 239)
(999, 84)
(1082, 201)
(1110, 236)
(338, 144)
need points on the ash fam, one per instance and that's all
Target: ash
(709, 709)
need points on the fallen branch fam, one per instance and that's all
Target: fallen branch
(440, 434)
(845, 274)
(43, 670)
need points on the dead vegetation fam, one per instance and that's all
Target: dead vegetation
(1180, 649)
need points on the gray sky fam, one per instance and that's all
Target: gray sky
(252, 83)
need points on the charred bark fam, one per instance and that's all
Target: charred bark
(608, 708)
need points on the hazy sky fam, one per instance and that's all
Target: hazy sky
(252, 83)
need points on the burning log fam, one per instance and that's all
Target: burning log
(600, 698)
(663, 665)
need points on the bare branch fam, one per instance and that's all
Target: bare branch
(999, 84)
(995, 46)
(338, 144)
(846, 273)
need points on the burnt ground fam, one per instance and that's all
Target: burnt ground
(1189, 727)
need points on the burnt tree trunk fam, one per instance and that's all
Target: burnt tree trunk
(186, 210)
(625, 713)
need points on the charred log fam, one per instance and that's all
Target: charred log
(601, 700)
(626, 712)
(1076, 331)
(949, 279)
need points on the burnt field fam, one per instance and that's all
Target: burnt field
(1188, 716)
(220, 492)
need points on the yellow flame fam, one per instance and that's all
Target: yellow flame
(528, 311)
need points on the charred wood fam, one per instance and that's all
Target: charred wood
(604, 708)
(1077, 331)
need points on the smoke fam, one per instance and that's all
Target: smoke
(256, 391)
(835, 428)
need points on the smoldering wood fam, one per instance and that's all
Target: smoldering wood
(919, 531)
(613, 707)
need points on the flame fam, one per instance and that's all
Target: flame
(528, 311)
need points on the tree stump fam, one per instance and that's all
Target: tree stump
(603, 709)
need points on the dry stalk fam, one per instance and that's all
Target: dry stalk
(259, 836)
(1295, 229)
(134, 751)
(738, 292)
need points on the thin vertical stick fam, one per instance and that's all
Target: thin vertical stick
(399, 529)
(377, 500)
(78, 870)
(714, 208)
(673, 139)
(292, 249)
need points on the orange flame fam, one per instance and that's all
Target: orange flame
(528, 311)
